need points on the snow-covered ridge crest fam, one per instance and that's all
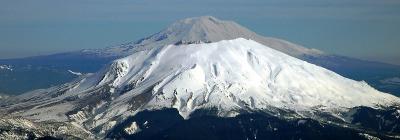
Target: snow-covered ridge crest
(231, 76)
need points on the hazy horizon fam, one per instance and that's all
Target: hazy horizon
(364, 29)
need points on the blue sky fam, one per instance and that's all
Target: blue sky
(366, 29)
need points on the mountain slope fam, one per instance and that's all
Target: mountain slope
(55, 67)
(191, 30)
(375, 73)
(230, 77)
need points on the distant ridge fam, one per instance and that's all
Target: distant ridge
(205, 29)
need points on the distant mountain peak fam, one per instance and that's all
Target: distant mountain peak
(200, 19)
(208, 29)
(204, 29)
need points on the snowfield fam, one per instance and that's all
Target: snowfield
(232, 76)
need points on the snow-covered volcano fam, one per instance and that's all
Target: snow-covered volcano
(231, 77)
(203, 29)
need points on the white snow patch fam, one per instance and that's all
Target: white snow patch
(75, 73)
(6, 67)
(396, 114)
(146, 124)
(80, 116)
(368, 137)
(132, 129)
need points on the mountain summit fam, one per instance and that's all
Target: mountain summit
(206, 29)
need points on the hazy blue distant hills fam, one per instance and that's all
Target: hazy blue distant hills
(45, 71)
